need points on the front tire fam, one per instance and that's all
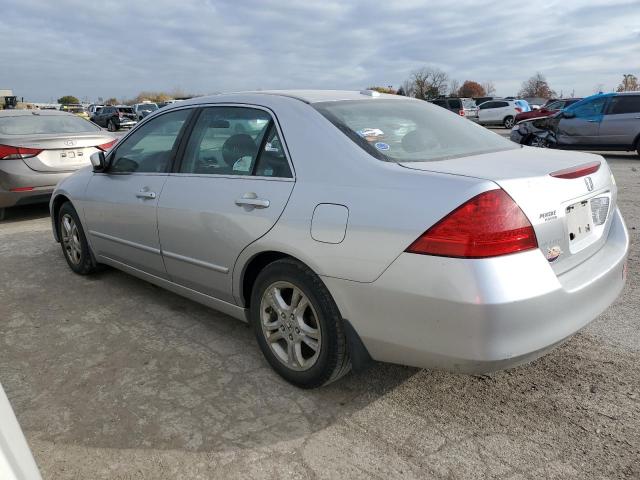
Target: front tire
(509, 122)
(111, 126)
(538, 142)
(298, 325)
(75, 247)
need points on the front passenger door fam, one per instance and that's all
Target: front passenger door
(121, 211)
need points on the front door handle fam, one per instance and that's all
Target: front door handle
(145, 194)
(251, 200)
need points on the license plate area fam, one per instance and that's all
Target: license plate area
(579, 224)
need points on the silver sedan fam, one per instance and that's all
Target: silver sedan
(350, 226)
(38, 148)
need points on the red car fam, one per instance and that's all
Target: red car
(549, 108)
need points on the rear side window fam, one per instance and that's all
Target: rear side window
(501, 104)
(44, 124)
(455, 103)
(624, 104)
(410, 130)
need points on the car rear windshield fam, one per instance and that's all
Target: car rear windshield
(410, 130)
(125, 109)
(44, 124)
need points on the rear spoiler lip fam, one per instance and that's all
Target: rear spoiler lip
(578, 171)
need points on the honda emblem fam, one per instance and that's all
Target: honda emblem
(589, 183)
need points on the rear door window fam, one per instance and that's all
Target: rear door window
(455, 103)
(624, 104)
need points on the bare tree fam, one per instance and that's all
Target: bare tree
(454, 88)
(598, 88)
(428, 83)
(536, 86)
(629, 83)
(407, 88)
(489, 88)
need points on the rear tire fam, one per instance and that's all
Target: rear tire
(535, 141)
(111, 126)
(298, 325)
(509, 122)
(3, 213)
(75, 247)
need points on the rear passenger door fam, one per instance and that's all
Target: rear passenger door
(621, 123)
(229, 188)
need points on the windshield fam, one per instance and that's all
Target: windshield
(150, 107)
(468, 103)
(410, 130)
(45, 124)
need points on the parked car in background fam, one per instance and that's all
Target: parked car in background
(38, 148)
(285, 229)
(548, 109)
(113, 118)
(480, 100)
(93, 109)
(465, 107)
(76, 109)
(609, 121)
(143, 109)
(498, 112)
(168, 102)
(523, 104)
(16, 460)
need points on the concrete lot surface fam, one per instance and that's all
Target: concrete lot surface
(113, 378)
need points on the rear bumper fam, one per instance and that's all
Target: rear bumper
(15, 174)
(127, 123)
(479, 315)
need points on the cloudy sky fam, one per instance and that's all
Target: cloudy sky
(119, 47)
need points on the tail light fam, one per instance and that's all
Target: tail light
(106, 146)
(461, 113)
(489, 225)
(8, 152)
(576, 172)
(518, 109)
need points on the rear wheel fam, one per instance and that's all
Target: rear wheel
(298, 326)
(74, 242)
(508, 122)
(111, 126)
(3, 213)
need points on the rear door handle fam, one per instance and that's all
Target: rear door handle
(145, 194)
(251, 200)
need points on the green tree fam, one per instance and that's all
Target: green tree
(111, 101)
(67, 99)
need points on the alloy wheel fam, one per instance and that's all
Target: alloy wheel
(71, 239)
(538, 142)
(290, 325)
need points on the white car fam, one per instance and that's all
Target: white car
(498, 112)
(16, 461)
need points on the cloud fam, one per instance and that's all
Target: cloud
(118, 48)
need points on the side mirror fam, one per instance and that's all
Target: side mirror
(566, 114)
(98, 161)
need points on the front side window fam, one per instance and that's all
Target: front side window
(410, 130)
(234, 141)
(624, 104)
(149, 149)
(588, 108)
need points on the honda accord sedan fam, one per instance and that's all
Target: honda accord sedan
(353, 226)
(38, 148)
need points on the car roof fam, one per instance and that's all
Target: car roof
(307, 96)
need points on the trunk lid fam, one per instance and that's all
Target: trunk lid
(60, 153)
(571, 217)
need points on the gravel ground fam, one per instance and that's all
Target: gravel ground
(113, 378)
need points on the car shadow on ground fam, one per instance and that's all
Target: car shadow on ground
(25, 212)
(112, 361)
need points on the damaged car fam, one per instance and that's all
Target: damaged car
(609, 121)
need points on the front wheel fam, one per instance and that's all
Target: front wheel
(509, 122)
(298, 326)
(75, 247)
(111, 126)
(536, 141)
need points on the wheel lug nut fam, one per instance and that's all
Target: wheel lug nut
(297, 330)
(290, 337)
